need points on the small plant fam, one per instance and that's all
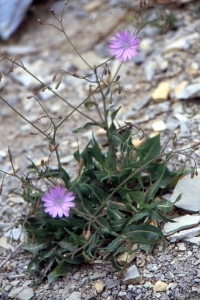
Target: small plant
(109, 206)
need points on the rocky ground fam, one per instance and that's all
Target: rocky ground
(161, 90)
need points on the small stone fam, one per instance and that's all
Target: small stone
(112, 283)
(69, 288)
(15, 282)
(92, 6)
(159, 126)
(194, 240)
(15, 291)
(76, 276)
(99, 286)
(160, 286)
(181, 246)
(190, 91)
(132, 275)
(122, 294)
(74, 296)
(172, 285)
(98, 275)
(4, 244)
(161, 93)
(126, 258)
(7, 288)
(26, 294)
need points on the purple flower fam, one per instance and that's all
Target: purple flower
(58, 202)
(125, 45)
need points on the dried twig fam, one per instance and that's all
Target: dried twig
(11, 255)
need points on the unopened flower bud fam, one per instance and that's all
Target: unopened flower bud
(54, 77)
(29, 97)
(41, 117)
(40, 21)
(57, 85)
(87, 235)
(105, 72)
(55, 147)
(110, 100)
(66, 1)
(33, 133)
(196, 173)
(117, 78)
(53, 12)
(42, 162)
(119, 90)
(109, 71)
(59, 117)
(174, 143)
(1, 76)
(192, 175)
(44, 89)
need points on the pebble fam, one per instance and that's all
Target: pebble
(161, 93)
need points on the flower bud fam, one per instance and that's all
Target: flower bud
(40, 21)
(29, 97)
(42, 162)
(57, 85)
(119, 90)
(117, 78)
(55, 147)
(59, 117)
(52, 12)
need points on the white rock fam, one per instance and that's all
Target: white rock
(190, 91)
(126, 258)
(132, 275)
(190, 190)
(26, 294)
(160, 286)
(183, 43)
(183, 222)
(4, 244)
(194, 240)
(16, 233)
(181, 246)
(74, 296)
(99, 286)
(159, 126)
(183, 234)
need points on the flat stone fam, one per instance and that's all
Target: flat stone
(160, 286)
(183, 222)
(190, 200)
(98, 275)
(194, 240)
(126, 258)
(112, 283)
(181, 246)
(159, 126)
(26, 294)
(184, 234)
(132, 275)
(4, 244)
(190, 91)
(183, 43)
(15, 291)
(161, 93)
(74, 296)
(99, 286)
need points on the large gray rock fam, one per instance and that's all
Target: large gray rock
(190, 190)
(12, 13)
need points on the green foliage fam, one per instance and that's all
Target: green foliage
(113, 208)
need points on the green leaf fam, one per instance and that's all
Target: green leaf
(115, 264)
(93, 243)
(77, 239)
(155, 187)
(145, 231)
(138, 197)
(104, 222)
(118, 224)
(35, 248)
(150, 148)
(136, 217)
(154, 215)
(115, 243)
(66, 244)
(85, 126)
(62, 269)
(113, 115)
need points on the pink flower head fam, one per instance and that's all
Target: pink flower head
(125, 45)
(58, 202)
